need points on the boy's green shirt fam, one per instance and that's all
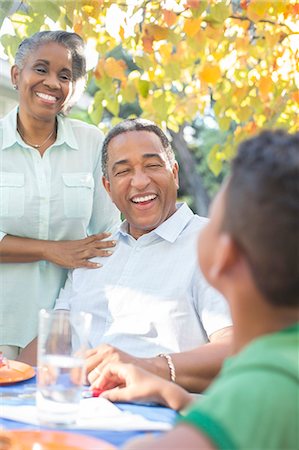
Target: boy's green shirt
(254, 403)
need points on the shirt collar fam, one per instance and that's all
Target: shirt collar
(65, 132)
(171, 228)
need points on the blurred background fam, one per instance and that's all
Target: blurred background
(210, 72)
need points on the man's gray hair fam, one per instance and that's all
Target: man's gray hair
(73, 42)
(138, 124)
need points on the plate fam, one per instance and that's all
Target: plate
(17, 371)
(50, 440)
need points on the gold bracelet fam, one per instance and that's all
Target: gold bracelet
(170, 365)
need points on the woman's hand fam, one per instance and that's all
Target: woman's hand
(74, 254)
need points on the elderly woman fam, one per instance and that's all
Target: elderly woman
(54, 211)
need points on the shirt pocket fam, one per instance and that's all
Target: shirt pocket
(12, 194)
(78, 194)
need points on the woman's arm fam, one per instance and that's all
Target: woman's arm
(68, 254)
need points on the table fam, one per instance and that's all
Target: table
(116, 438)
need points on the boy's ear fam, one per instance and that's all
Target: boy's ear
(226, 258)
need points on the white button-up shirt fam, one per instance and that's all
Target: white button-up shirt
(149, 296)
(54, 197)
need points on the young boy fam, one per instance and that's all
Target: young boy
(249, 251)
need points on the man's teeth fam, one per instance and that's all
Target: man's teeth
(146, 198)
(46, 97)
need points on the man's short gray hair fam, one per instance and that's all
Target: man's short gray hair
(138, 124)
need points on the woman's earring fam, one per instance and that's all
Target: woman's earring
(15, 87)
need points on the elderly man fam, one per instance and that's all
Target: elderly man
(149, 298)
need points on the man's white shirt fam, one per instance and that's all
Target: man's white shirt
(149, 296)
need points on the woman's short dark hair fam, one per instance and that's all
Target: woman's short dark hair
(262, 212)
(73, 42)
(138, 124)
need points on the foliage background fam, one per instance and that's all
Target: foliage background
(210, 72)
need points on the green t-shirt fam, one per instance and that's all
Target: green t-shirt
(254, 403)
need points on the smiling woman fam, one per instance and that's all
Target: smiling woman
(54, 210)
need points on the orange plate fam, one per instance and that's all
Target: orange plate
(17, 371)
(50, 440)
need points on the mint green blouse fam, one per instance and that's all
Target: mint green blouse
(54, 197)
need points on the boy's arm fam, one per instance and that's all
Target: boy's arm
(180, 438)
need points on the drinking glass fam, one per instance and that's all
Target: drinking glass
(62, 343)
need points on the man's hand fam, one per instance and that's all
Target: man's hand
(98, 358)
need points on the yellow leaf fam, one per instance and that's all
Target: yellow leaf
(258, 10)
(210, 73)
(165, 50)
(192, 26)
(224, 123)
(121, 33)
(244, 113)
(265, 86)
(214, 163)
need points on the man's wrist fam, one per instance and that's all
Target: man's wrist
(170, 364)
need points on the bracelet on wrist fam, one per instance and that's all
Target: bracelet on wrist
(171, 367)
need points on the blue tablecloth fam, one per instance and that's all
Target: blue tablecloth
(117, 438)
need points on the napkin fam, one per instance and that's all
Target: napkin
(95, 414)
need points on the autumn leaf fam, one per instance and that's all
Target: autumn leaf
(170, 17)
(265, 86)
(192, 26)
(148, 44)
(210, 73)
(295, 96)
(115, 68)
(177, 63)
(155, 32)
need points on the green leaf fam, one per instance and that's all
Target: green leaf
(10, 44)
(143, 87)
(219, 12)
(173, 70)
(160, 106)
(95, 110)
(144, 62)
(96, 114)
(113, 105)
(105, 83)
(5, 7)
(46, 8)
(129, 94)
(36, 24)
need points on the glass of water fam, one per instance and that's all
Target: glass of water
(62, 343)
